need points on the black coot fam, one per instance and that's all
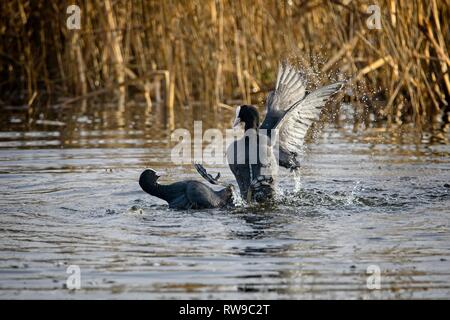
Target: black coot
(290, 111)
(251, 158)
(189, 194)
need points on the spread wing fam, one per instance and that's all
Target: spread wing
(290, 110)
(290, 88)
(295, 122)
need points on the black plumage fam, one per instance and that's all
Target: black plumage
(249, 158)
(189, 194)
(290, 111)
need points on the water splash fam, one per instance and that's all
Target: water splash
(297, 181)
(237, 199)
(353, 197)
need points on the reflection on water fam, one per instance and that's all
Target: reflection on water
(69, 196)
(99, 126)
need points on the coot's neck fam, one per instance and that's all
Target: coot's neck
(155, 189)
(158, 190)
(251, 124)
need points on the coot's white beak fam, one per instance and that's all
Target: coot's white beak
(158, 173)
(237, 120)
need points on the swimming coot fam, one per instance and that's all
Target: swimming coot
(189, 194)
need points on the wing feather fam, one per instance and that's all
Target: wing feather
(295, 123)
(292, 112)
(290, 88)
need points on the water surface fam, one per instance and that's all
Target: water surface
(69, 196)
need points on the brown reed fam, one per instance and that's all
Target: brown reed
(222, 52)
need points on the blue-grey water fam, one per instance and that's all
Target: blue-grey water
(365, 199)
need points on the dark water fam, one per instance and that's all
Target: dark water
(69, 196)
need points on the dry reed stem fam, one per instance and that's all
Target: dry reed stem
(223, 51)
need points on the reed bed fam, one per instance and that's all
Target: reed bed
(223, 52)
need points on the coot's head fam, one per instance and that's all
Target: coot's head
(227, 194)
(247, 114)
(148, 177)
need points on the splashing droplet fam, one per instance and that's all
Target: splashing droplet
(297, 181)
